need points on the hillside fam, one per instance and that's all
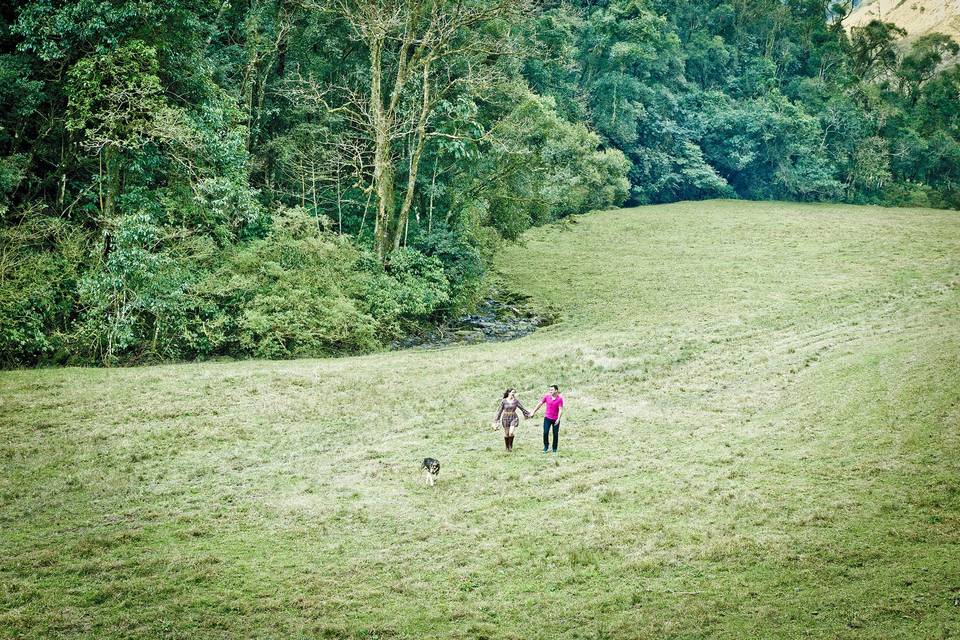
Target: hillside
(918, 17)
(762, 440)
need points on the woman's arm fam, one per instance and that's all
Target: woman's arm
(496, 418)
(526, 414)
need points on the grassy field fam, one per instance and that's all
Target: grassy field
(762, 441)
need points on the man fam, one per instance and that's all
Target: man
(551, 416)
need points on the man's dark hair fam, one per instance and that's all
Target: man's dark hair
(553, 386)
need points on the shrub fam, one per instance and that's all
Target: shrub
(41, 263)
(132, 304)
(410, 289)
(462, 261)
(292, 293)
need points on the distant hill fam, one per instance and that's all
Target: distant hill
(918, 17)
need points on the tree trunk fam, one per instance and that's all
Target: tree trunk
(339, 201)
(415, 157)
(383, 178)
(110, 184)
(433, 191)
(383, 174)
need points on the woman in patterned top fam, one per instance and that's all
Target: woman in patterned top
(507, 417)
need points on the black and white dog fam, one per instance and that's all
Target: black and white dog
(432, 467)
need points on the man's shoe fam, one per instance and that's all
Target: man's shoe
(544, 449)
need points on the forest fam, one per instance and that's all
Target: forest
(285, 178)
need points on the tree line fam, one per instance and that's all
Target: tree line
(280, 178)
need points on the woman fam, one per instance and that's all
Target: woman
(507, 417)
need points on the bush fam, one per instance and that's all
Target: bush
(133, 304)
(292, 293)
(410, 289)
(302, 291)
(153, 296)
(41, 265)
(463, 263)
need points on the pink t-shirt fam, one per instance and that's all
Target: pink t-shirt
(553, 406)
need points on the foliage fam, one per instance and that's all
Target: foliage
(132, 305)
(175, 139)
(40, 265)
(291, 293)
(303, 291)
(411, 288)
(462, 261)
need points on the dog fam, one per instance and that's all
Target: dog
(432, 467)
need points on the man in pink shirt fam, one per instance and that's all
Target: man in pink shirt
(551, 416)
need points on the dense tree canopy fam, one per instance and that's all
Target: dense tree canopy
(292, 177)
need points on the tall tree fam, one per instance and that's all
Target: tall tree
(419, 52)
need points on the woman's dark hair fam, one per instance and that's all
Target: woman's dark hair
(553, 386)
(507, 392)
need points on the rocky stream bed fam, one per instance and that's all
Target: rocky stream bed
(501, 316)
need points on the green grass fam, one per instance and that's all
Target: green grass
(761, 441)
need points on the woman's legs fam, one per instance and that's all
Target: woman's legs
(509, 430)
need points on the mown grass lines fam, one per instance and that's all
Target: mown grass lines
(761, 441)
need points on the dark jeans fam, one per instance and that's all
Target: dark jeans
(547, 423)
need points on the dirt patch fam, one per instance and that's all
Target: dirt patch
(918, 17)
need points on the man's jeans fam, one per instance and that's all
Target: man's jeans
(547, 423)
